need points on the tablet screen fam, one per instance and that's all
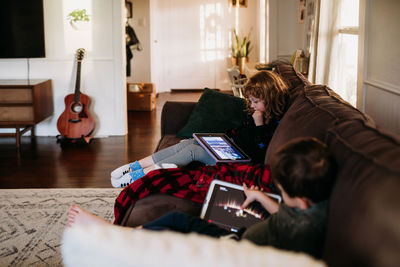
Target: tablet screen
(224, 209)
(222, 148)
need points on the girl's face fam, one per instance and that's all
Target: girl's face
(257, 104)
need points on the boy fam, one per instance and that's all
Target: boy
(304, 171)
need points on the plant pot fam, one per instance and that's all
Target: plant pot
(241, 63)
(234, 61)
(79, 25)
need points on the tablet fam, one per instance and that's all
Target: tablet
(222, 207)
(221, 147)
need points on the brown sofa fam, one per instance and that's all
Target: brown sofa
(364, 218)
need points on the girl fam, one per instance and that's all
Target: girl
(267, 99)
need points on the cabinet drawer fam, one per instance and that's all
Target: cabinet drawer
(16, 113)
(141, 102)
(8, 96)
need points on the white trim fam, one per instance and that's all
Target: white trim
(388, 87)
(273, 29)
(267, 35)
(262, 31)
(31, 60)
(59, 59)
(119, 62)
(312, 67)
(362, 64)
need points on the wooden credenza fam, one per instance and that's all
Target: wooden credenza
(23, 104)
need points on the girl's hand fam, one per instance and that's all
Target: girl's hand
(252, 193)
(258, 118)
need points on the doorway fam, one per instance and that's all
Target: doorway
(186, 43)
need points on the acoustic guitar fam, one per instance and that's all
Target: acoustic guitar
(76, 120)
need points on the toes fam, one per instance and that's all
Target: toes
(71, 220)
(73, 210)
(73, 207)
(79, 209)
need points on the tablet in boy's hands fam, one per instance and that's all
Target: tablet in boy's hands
(221, 147)
(222, 207)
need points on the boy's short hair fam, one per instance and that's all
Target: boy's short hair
(304, 167)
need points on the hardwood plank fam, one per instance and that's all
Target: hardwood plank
(42, 163)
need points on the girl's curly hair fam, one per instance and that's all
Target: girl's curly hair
(269, 87)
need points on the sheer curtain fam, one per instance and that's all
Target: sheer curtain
(337, 49)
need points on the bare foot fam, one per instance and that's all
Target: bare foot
(80, 216)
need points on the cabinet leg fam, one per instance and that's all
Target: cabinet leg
(17, 137)
(33, 131)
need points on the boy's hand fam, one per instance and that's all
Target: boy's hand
(255, 194)
(258, 118)
(252, 194)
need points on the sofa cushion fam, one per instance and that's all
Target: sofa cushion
(215, 112)
(292, 78)
(167, 141)
(175, 115)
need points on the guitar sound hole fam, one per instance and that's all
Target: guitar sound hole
(76, 107)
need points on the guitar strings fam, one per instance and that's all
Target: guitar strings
(28, 68)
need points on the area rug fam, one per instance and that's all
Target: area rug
(33, 221)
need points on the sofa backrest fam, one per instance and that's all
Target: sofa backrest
(364, 218)
(313, 110)
(364, 224)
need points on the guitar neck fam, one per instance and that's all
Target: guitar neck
(78, 82)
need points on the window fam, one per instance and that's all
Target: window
(338, 51)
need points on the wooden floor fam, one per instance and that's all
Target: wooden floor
(42, 163)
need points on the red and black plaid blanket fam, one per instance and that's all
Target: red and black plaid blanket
(190, 184)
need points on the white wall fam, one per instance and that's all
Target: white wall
(286, 33)
(249, 19)
(379, 75)
(103, 68)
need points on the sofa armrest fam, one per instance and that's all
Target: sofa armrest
(110, 245)
(174, 116)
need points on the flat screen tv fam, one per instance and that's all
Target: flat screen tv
(21, 29)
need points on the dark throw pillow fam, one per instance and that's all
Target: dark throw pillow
(215, 112)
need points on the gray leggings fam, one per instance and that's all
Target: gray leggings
(183, 153)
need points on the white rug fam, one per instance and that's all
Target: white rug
(33, 221)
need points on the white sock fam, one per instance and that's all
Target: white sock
(165, 166)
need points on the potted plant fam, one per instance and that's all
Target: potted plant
(76, 16)
(240, 50)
